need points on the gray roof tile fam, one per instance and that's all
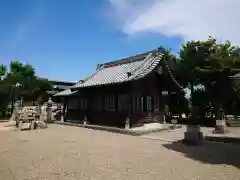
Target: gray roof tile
(117, 71)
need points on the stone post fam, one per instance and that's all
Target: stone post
(38, 112)
(62, 117)
(49, 110)
(164, 119)
(220, 127)
(15, 114)
(127, 123)
(63, 113)
(85, 120)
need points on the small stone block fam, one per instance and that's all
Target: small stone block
(219, 130)
(41, 124)
(26, 126)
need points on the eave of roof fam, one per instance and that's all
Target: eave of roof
(62, 83)
(66, 92)
(172, 77)
(52, 92)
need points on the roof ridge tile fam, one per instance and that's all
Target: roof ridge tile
(138, 57)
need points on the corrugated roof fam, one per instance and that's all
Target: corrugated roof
(124, 70)
(66, 92)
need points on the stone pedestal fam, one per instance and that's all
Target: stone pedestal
(193, 135)
(220, 127)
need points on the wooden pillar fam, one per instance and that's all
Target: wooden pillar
(63, 113)
(116, 103)
(103, 103)
(130, 107)
(165, 104)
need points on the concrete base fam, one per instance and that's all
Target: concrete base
(193, 135)
(133, 131)
(220, 127)
(41, 124)
(153, 125)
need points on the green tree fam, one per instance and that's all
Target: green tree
(3, 71)
(3, 93)
(216, 71)
(192, 58)
(31, 86)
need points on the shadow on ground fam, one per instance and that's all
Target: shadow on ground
(210, 152)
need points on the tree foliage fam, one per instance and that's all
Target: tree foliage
(31, 87)
(3, 71)
(208, 64)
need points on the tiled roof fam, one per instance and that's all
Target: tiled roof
(120, 71)
(63, 87)
(236, 76)
(66, 92)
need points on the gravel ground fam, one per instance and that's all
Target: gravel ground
(73, 153)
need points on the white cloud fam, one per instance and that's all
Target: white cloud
(191, 19)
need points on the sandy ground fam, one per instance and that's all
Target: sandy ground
(73, 153)
(7, 125)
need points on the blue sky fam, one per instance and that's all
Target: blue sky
(65, 40)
